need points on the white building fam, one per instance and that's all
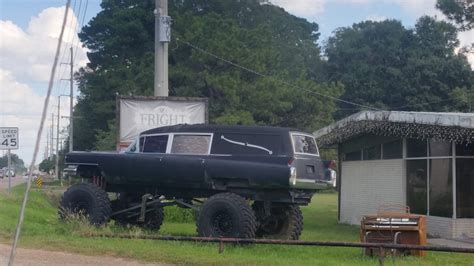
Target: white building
(418, 159)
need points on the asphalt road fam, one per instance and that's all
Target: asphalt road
(15, 181)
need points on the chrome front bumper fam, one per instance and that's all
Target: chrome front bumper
(70, 170)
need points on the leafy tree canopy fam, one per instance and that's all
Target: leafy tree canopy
(389, 67)
(459, 11)
(251, 33)
(48, 164)
(16, 162)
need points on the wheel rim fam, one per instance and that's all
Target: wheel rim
(276, 223)
(222, 223)
(273, 224)
(80, 208)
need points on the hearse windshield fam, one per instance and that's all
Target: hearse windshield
(304, 144)
(132, 147)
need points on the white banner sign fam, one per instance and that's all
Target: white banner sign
(138, 115)
(8, 138)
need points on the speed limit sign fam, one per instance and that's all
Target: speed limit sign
(8, 138)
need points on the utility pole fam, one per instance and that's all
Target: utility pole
(52, 137)
(70, 106)
(57, 138)
(162, 37)
(9, 171)
(56, 168)
(46, 155)
(71, 95)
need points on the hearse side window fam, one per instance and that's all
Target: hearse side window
(246, 144)
(305, 144)
(191, 144)
(154, 144)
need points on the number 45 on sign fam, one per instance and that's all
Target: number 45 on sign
(8, 138)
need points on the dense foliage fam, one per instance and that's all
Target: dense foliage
(390, 67)
(48, 165)
(260, 36)
(459, 11)
(16, 162)
(380, 64)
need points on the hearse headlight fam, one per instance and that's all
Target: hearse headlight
(293, 176)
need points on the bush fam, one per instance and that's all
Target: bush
(179, 215)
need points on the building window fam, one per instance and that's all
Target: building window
(465, 149)
(416, 148)
(191, 144)
(353, 156)
(372, 153)
(464, 187)
(154, 144)
(439, 181)
(393, 149)
(417, 185)
(439, 148)
(441, 187)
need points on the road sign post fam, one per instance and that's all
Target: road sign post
(9, 173)
(9, 141)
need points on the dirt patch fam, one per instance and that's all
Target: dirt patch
(15, 181)
(52, 258)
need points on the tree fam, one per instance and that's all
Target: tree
(17, 164)
(384, 65)
(251, 33)
(460, 12)
(48, 164)
(368, 58)
(433, 68)
(463, 99)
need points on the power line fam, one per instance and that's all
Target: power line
(72, 41)
(63, 53)
(38, 137)
(310, 91)
(75, 41)
(424, 103)
(59, 74)
(82, 25)
(267, 76)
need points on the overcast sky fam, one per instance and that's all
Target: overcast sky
(29, 30)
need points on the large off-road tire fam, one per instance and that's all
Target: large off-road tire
(226, 215)
(153, 217)
(88, 200)
(284, 222)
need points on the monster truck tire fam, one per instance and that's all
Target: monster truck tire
(284, 222)
(226, 215)
(153, 218)
(86, 199)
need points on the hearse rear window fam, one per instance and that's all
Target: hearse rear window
(191, 144)
(154, 144)
(246, 144)
(304, 144)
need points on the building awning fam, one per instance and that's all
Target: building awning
(457, 127)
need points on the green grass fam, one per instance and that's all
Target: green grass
(43, 230)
